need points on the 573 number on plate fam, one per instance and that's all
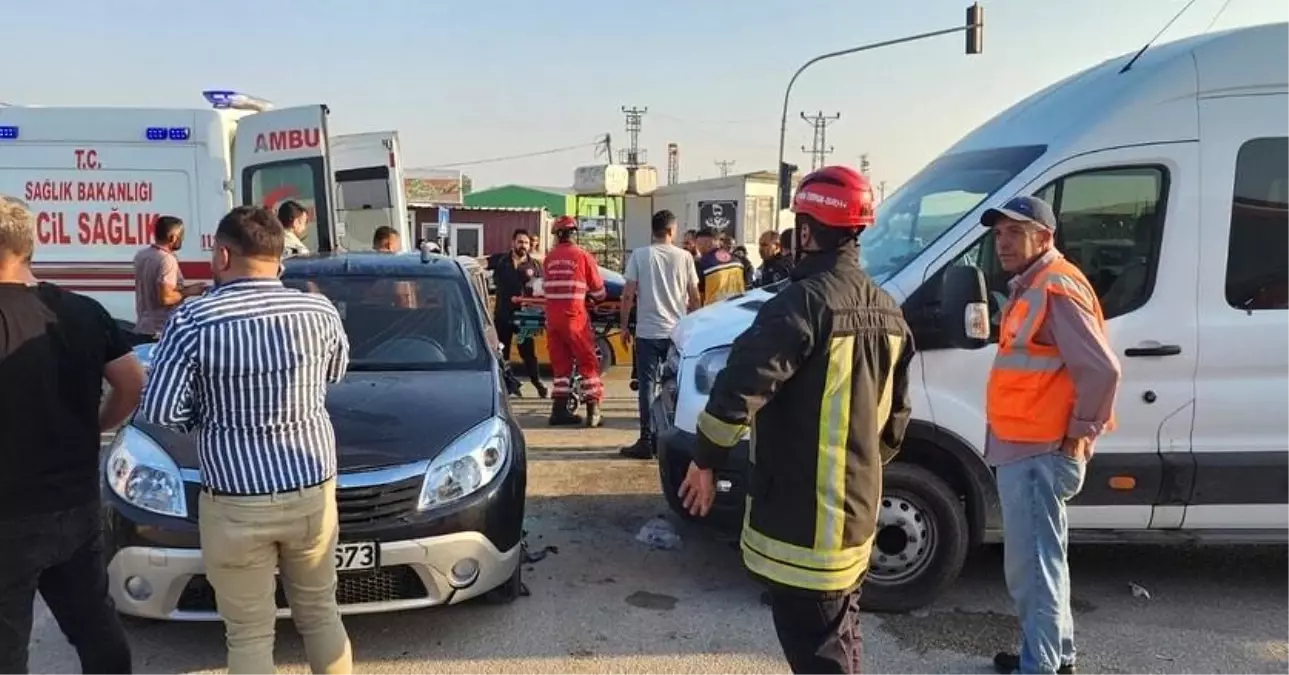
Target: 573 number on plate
(356, 556)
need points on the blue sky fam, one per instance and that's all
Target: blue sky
(463, 81)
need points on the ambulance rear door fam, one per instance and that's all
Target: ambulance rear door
(282, 155)
(369, 187)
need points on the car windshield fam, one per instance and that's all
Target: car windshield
(404, 323)
(933, 201)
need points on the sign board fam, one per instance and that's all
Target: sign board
(445, 216)
(720, 215)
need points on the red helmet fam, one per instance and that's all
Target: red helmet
(563, 223)
(836, 196)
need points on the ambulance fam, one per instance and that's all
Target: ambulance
(97, 178)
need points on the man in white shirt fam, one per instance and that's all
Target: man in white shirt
(663, 278)
(295, 218)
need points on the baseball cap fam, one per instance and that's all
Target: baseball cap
(1025, 209)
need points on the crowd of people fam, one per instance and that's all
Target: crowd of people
(820, 380)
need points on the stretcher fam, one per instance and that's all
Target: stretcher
(530, 322)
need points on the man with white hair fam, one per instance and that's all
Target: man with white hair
(1051, 392)
(56, 349)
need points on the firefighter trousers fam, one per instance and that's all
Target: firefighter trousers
(570, 340)
(818, 635)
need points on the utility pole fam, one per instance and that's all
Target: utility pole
(881, 191)
(605, 145)
(724, 166)
(673, 163)
(633, 156)
(863, 164)
(820, 147)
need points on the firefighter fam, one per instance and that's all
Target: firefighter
(821, 376)
(571, 275)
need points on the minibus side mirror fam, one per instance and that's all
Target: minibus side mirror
(964, 307)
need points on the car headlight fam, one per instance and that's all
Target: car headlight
(144, 475)
(472, 461)
(709, 365)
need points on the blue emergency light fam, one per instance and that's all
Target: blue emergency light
(224, 99)
(169, 133)
(8, 133)
(219, 98)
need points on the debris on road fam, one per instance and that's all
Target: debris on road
(538, 555)
(1139, 591)
(658, 533)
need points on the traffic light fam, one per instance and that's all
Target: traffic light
(785, 184)
(975, 28)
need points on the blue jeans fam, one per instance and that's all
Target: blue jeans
(1034, 491)
(650, 355)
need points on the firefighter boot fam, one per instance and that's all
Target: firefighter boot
(593, 414)
(561, 414)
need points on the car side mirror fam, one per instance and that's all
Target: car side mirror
(964, 307)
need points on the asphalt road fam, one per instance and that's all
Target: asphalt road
(601, 602)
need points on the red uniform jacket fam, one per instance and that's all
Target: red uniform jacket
(569, 275)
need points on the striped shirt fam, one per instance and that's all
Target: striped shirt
(246, 367)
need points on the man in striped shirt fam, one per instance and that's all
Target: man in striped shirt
(246, 368)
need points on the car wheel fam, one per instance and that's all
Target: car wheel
(921, 541)
(671, 481)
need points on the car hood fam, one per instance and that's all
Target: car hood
(384, 419)
(717, 325)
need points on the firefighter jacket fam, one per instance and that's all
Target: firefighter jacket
(821, 379)
(570, 274)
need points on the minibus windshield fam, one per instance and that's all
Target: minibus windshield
(933, 201)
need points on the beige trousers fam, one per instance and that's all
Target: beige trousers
(244, 540)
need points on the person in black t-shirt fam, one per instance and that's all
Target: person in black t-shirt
(514, 272)
(56, 348)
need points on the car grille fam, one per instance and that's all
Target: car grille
(388, 584)
(370, 505)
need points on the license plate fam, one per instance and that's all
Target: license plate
(352, 556)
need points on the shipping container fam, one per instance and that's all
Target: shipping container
(482, 230)
(741, 206)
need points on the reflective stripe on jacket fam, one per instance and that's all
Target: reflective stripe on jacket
(1031, 395)
(821, 381)
(569, 276)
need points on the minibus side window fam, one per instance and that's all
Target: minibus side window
(1111, 225)
(1257, 263)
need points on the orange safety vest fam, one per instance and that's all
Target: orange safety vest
(1031, 394)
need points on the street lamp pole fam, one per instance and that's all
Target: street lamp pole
(783, 119)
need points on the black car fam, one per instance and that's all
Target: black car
(432, 468)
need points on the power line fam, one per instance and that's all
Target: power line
(686, 120)
(820, 147)
(1217, 16)
(507, 158)
(724, 166)
(1133, 60)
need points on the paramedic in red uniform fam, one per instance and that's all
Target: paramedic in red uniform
(570, 275)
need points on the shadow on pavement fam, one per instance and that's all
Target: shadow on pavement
(597, 592)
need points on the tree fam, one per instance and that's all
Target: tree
(467, 185)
